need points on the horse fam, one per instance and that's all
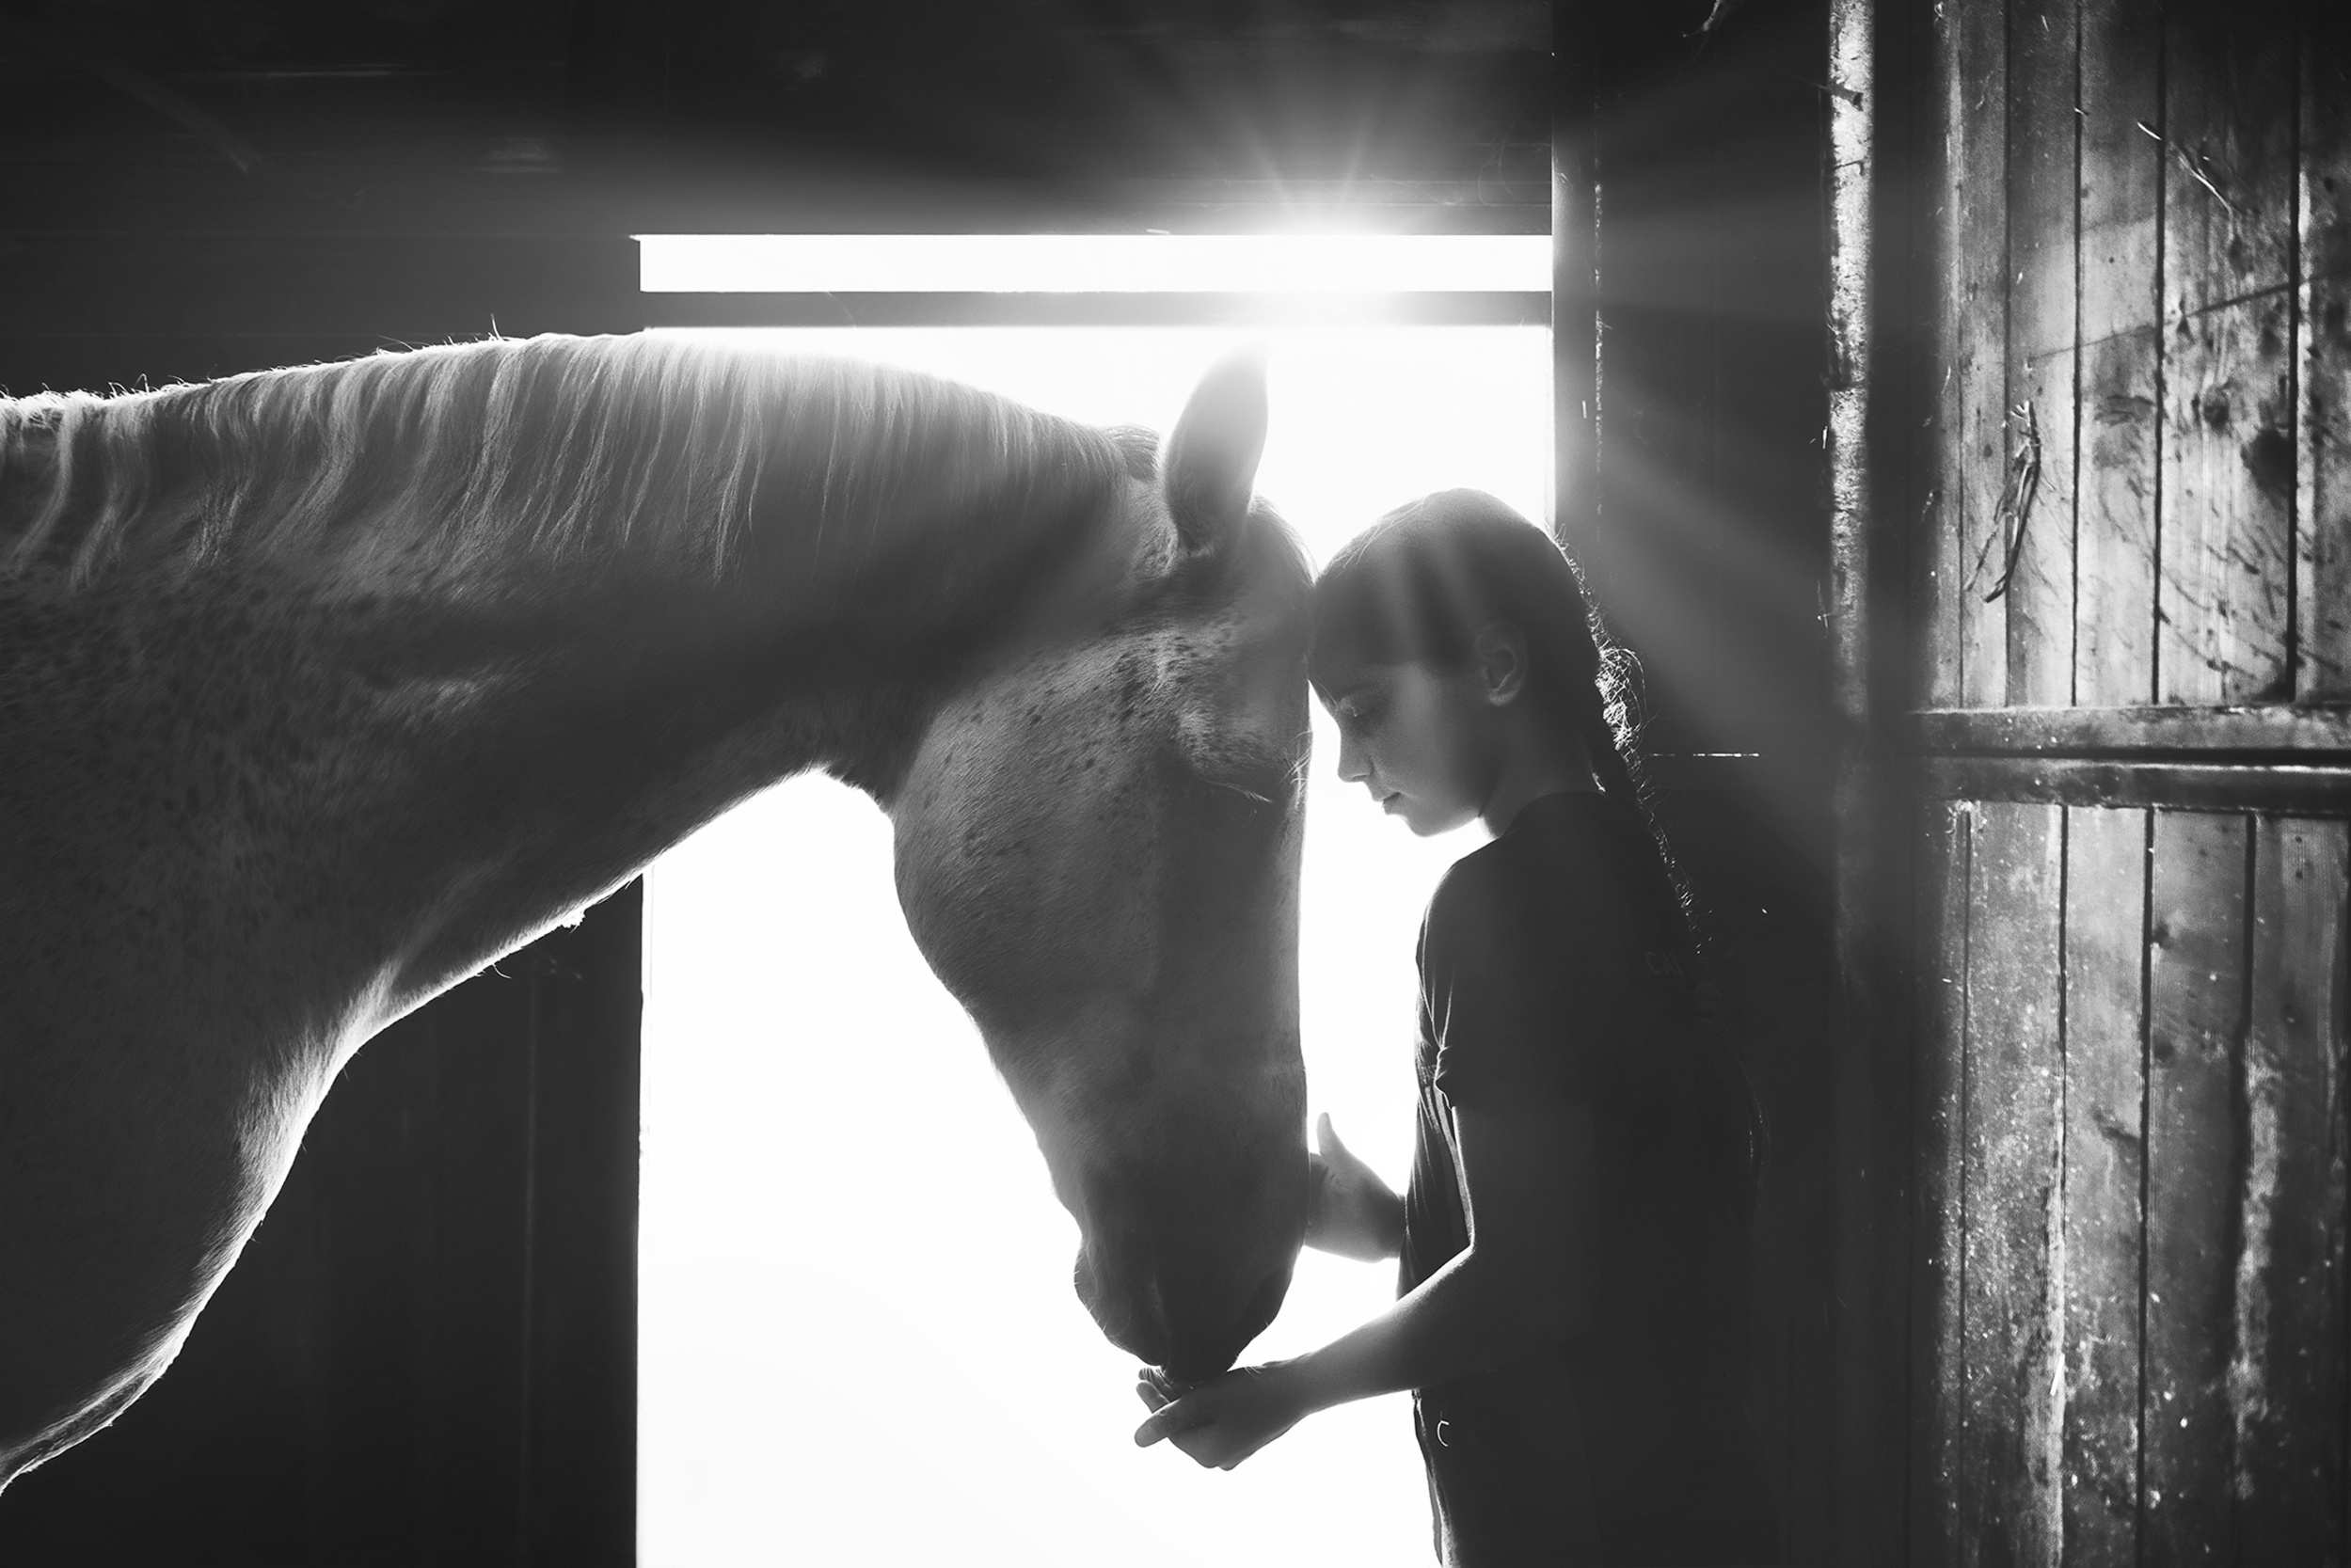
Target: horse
(323, 688)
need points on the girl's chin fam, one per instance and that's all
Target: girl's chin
(1424, 822)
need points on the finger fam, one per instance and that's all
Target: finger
(1166, 1421)
(1151, 1398)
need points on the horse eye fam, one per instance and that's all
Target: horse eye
(1254, 789)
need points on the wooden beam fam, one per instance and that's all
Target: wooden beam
(2302, 790)
(2151, 732)
(1090, 310)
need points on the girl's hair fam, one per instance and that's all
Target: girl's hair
(1418, 585)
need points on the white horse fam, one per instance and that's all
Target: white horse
(320, 688)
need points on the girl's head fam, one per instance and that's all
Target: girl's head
(1443, 625)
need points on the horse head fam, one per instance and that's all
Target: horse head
(1097, 845)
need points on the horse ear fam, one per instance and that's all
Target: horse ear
(1208, 467)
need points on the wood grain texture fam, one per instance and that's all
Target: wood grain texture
(2042, 136)
(2197, 1016)
(2229, 464)
(1939, 1393)
(2228, 124)
(2287, 1371)
(2323, 509)
(2228, 503)
(1976, 336)
(2106, 907)
(2295, 789)
(2121, 248)
(2015, 1066)
(2269, 731)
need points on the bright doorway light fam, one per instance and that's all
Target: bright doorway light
(1095, 263)
(858, 1343)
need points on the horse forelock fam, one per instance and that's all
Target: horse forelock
(553, 450)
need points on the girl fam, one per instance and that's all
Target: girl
(1570, 1307)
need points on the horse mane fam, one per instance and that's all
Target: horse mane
(642, 449)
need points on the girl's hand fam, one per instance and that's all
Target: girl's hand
(1225, 1419)
(1349, 1210)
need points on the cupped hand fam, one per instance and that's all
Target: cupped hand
(1224, 1420)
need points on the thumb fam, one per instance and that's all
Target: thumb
(1166, 1421)
(1327, 1139)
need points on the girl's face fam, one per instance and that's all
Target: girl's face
(1421, 742)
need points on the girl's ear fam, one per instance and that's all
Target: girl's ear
(1209, 465)
(1501, 654)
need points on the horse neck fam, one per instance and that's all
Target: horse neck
(513, 664)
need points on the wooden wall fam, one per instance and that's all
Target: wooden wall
(2129, 530)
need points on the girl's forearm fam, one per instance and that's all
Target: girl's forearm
(1461, 1319)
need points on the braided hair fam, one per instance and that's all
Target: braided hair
(1419, 584)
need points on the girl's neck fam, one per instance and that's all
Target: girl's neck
(1536, 760)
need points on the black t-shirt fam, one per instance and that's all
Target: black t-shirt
(1546, 969)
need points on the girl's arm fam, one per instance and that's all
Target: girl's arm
(1524, 1285)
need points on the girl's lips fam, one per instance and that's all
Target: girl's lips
(1387, 802)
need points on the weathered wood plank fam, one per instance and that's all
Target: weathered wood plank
(2106, 908)
(2293, 789)
(2228, 500)
(1938, 568)
(1976, 340)
(2042, 152)
(2010, 1332)
(2120, 216)
(2196, 1011)
(2228, 76)
(2322, 512)
(2286, 1373)
(2280, 731)
(2229, 460)
(1938, 1389)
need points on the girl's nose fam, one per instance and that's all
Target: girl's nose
(1354, 767)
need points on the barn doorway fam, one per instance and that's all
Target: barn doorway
(857, 1338)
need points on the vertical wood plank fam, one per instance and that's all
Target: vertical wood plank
(2196, 1011)
(2286, 1373)
(2120, 214)
(2322, 510)
(1939, 1393)
(1938, 555)
(1976, 335)
(2229, 474)
(2228, 496)
(2105, 905)
(2011, 1445)
(2042, 131)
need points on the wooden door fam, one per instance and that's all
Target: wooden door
(2132, 586)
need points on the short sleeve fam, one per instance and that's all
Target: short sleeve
(1528, 978)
